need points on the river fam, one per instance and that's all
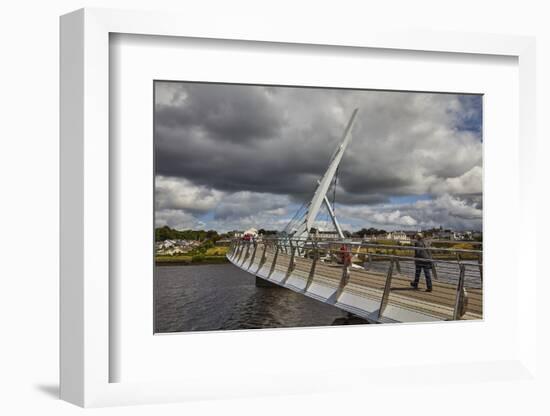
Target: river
(222, 297)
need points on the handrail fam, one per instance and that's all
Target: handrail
(477, 264)
(354, 240)
(430, 248)
(361, 244)
(391, 256)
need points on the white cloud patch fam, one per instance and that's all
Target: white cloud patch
(445, 210)
(260, 220)
(170, 93)
(451, 206)
(183, 205)
(393, 218)
(468, 183)
(182, 194)
(177, 219)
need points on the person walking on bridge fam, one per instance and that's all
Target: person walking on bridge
(422, 261)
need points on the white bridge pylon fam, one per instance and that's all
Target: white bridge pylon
(323, 186)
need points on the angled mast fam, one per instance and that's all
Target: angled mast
(324, 184)
(333, 217)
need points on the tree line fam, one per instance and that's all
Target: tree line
(167, 233)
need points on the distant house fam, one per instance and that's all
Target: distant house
(166, 244)
(172, 247)
(400, 236)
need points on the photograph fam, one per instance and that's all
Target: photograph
(282, 206)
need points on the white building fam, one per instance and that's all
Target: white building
(398, 236)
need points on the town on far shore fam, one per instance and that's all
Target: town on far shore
(183, 247)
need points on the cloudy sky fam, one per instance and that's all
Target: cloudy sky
(237, 156)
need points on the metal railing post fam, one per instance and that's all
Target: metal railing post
(397, 265)
(433, 264)
(459, 308)
(291, 264)
(344, 279)
(264, 257)
(285, 247)
(247, 252)
(386, 294)
(434, 270)
(274, 260)
(253, 254)
(241, 251)
(313, 265)
(480, 265)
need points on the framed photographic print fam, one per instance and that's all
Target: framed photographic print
(249, 213)
(245, 203)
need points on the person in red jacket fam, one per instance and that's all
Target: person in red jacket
(345, 254)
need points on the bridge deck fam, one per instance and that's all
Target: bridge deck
(362, 293)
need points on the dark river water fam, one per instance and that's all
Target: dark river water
(221, 297)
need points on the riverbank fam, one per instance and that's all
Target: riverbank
(183, 260)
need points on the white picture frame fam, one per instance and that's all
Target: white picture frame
(85, 211)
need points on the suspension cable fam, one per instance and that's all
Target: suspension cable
(334, 191)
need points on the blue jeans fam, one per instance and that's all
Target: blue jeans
(427, 273)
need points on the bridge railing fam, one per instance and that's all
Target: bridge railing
(366, 253)
(460, 266)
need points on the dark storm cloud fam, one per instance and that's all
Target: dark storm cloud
(239, 138)
(219, 112)
(279, 140)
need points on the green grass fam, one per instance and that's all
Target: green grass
(183, 259)
(217, 251)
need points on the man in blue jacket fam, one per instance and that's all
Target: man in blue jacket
(422, 261)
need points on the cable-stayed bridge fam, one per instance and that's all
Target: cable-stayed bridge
(365, 278)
